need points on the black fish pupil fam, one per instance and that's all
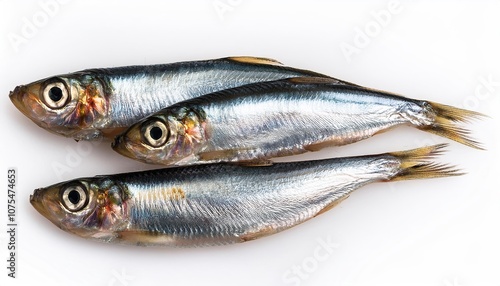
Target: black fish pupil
(155, 133)
(55, 94)
(74, 197)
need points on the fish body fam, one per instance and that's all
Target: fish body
(219, 203)
(257, 122)
(96, 103)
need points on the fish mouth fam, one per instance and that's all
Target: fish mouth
(36, 200)
(120, 145)
(27, 103)
(39, 202)
(16, 97)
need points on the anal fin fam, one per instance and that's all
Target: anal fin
(265, 231)
(331, 205)
(313, 147)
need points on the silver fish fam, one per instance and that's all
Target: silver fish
(96, 103)
(219, 203)
(257, 122)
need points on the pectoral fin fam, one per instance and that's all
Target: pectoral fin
(111, 133)
(145, 238)
(219, 155)
(230, 155)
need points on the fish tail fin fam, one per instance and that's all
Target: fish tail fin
(415, 164)
(445, 124)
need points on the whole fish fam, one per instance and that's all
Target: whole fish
(256, 122)
(96, 103)
(219, 203)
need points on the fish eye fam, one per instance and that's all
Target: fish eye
(74, 197)
(55, 95)
(155, 133)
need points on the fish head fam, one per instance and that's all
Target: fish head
(172, 136)
(89, 208)
(72, 105)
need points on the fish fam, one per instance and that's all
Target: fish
(97, 104)
(254, 123)
(217, 204)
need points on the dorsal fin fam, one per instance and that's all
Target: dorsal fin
(255, 60)
(306, 80)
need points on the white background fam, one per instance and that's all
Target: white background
(431, 232)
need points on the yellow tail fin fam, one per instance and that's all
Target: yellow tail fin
(445, 124)
(415, 164)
